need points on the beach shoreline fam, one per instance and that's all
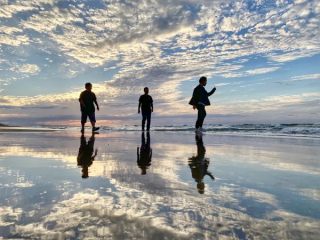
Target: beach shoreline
(260, 183)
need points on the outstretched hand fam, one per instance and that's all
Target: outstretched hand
(98, 108)
(194, 107)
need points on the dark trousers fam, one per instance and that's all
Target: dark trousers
(201, 115)
(146, 116)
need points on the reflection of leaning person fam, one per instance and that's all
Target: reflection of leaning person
(85, 155)
(199, 165)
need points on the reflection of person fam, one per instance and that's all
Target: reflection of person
(87, 100)
(199, 165)
(85, 155)
(146, 105)
(200, 99)
(144, 154)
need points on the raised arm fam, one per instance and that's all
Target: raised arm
(95, 154)
(212, 91)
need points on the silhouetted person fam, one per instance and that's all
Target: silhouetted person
(200, 99)
(85, 155)
(87, 100)
(144, 154)
(199, 165)
(146, 105)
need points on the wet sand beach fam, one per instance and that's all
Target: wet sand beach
(56, 185)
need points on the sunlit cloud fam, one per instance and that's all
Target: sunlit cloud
(156, 43)
(315, 76)
(27, 68)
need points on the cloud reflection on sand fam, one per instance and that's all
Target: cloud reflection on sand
(162, 203)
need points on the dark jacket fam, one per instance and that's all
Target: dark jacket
(200, 94)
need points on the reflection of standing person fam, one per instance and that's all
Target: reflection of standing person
(144, 154)
(87, 100)
(199, 165)
(146, 105)
(85, 155)
(200, 99)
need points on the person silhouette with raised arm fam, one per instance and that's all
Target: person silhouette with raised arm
(146, 105)
(85, 155)
(199, 165)
(144, 154)
(200, 99)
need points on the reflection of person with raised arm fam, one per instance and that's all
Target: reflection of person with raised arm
(85, 155)
(144, 154)
(199, 165)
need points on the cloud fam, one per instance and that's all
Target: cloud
(162, 44)
(32, 69)
(261, 70)
(315, 76)
(12, 36)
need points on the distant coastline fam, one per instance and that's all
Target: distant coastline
(7, 128)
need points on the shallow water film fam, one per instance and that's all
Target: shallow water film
(128, 185)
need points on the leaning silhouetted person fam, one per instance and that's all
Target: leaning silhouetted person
(144, 154)
(85, 155)
(87, 100)
(199, 165)
(146, 105)
(200, 99)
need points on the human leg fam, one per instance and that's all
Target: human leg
(148, 121)
(201, 116)
(144, 118)
(92, 118)
(84, 117)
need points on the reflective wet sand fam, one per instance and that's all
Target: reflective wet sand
(128, 185)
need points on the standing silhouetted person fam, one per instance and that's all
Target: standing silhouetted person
(85, 155)
(87, 100)
(144, 154)
(200, 99)
(199, 165)
(146, 105)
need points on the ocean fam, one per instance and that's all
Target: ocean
(306, 130)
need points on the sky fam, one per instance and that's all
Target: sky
(263, 56)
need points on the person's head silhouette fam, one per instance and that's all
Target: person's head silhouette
(203, 81)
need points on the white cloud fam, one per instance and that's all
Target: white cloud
(12, 36)
(32, 69)
(261, 70)
(164, 43)
(315, 76)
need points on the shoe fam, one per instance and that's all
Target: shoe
(95, 129)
